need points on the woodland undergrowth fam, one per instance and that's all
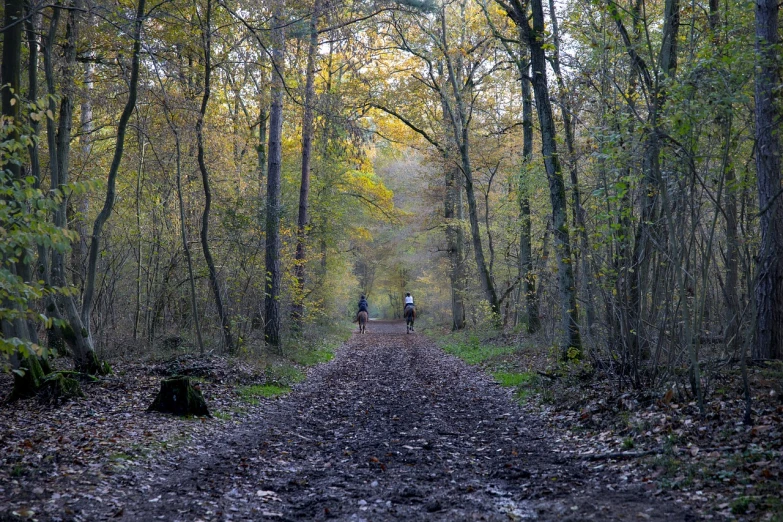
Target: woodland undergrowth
(714, 463)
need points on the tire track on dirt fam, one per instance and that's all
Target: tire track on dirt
(391, 429)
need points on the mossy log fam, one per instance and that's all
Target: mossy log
(58, 387)
(179, 397)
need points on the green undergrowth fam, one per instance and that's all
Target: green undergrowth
(284, 374)
(472, 349)
(313, 357)
(502, 361)
(253, 393)
(282, 371)
(525, 383)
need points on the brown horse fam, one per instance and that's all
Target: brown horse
(410, 316)
(362, 317)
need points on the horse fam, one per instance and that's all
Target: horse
(410, 316)
(362, 317)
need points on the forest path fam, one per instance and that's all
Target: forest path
(391, 429)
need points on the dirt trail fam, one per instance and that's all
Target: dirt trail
(391, 429)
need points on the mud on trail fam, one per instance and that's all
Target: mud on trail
(391, 429)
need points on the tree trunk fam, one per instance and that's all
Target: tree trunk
(460, 125)
(297, 311)
(63, 307)
(103, 216)
(768, 343)
(225, 320)
(185, 247)
(273, 273)
(32, 27)
(732, 310)
(140, 243)
(525, 238)
(263, 120)
(455, 243)
(570, 341)
(12, 65)
(80, 248)
(576, 199)
(724, 120)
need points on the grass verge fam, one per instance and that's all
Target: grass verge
(472, 349)
(499, 360)
(252, 393)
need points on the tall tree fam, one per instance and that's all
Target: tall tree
(76, 333)
(455, 241)
(525, 238)
(459, 116)
(577, 210)
(768, 342)
(214, 278)
(297, 312)
(533, 35)
(526, 273)
(273, 187)
(103, 216)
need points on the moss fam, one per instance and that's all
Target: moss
(94, 366)
(67, 332)
(28, 379)
(473, 351)
(312, 357)
(58, 388)
(178, 397)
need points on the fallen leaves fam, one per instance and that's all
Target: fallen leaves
(704, 461)
(86, 440)
(268, 496)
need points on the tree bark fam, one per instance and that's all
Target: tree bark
(225, 320)
(570, 341)
(297, 311)
(75, 332)
(273, 273)
(103, 216)
(455, 239)
(579, 214)
(724, 121)
(525, 238)
(768, 343)
(185, 247)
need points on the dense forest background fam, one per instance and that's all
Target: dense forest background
(230, 175)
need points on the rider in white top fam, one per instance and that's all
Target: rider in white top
(408, 298)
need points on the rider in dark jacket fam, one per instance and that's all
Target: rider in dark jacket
(363, 306)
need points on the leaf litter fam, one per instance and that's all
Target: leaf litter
(392, 429)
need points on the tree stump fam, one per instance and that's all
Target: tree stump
(177, 396)
(58, 388)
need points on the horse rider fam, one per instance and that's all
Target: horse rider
(408, 302)
(363, 306)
